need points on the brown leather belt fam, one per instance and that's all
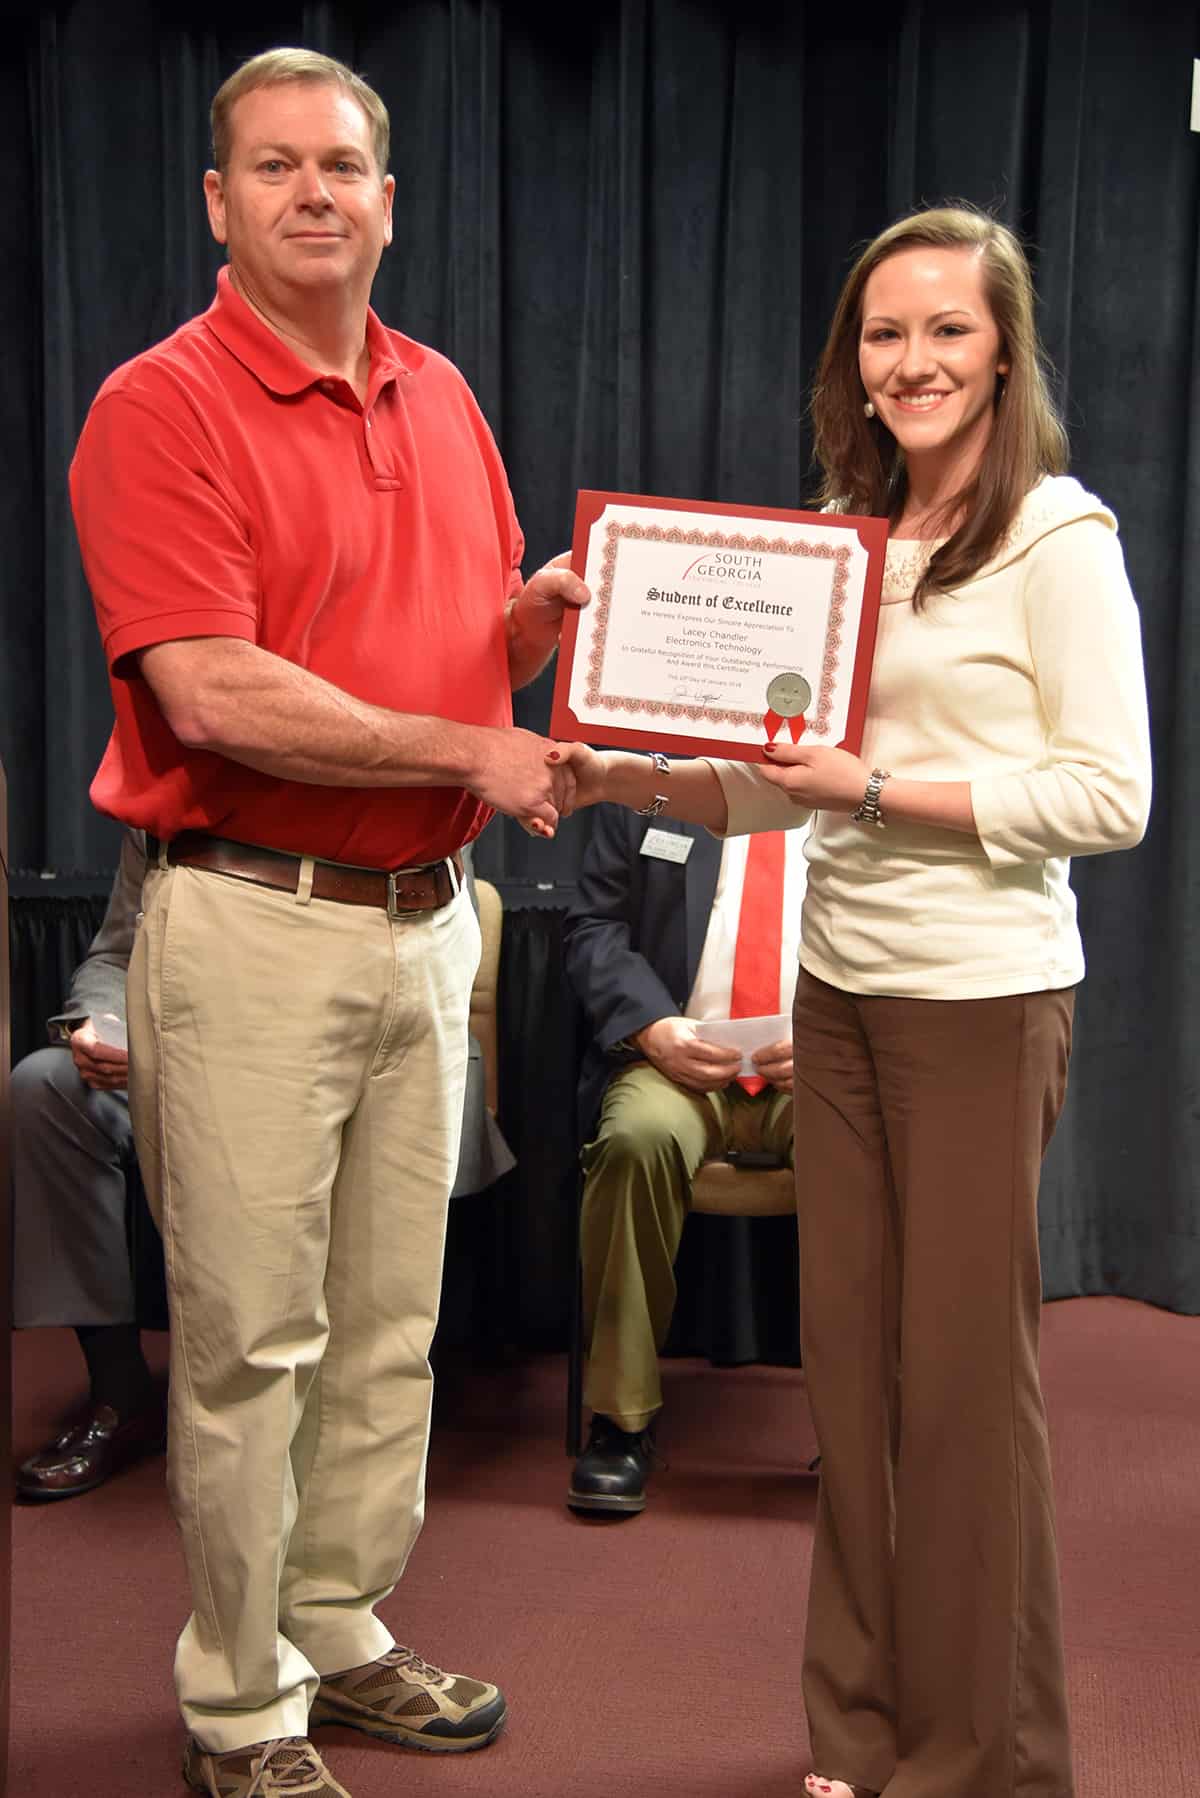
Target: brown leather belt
(405, 890)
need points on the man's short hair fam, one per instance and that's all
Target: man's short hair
(274, 67)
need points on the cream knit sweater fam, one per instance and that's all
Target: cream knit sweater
(1027, 682)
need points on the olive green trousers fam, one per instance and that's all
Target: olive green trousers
(651, 1138)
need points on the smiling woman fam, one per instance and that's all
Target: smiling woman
(932, 403)
(1005, 732)
(930, 361)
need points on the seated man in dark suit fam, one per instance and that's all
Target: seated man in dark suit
(669, 928)
(72, 1150)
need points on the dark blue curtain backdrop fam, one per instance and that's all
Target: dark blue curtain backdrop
(627, 224)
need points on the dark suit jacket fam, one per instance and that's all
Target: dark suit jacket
(633, 937)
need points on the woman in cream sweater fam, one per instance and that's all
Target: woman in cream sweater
(1006, 732)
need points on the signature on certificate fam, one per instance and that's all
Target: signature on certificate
(693, 696)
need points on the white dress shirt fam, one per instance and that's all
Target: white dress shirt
(709, 997)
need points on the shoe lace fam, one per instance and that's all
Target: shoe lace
(410, 1662)
(291, 1764)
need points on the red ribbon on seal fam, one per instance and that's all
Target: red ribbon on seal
(774, 723)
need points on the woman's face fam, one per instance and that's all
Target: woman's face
(929, 354)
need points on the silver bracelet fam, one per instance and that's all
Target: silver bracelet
(658, 804)
(868, 812)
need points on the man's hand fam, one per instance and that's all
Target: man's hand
(774, 1063)
(103, 1068)
(517, 777)
(824, 780)
(672, 1046)
(534, 618)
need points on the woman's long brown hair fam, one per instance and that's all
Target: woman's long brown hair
(863, 466)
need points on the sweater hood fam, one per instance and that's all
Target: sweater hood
(1057, 499)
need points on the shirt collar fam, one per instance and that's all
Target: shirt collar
(279, 368)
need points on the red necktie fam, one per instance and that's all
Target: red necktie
(759, 947)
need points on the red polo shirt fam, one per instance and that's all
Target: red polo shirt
(222, 487)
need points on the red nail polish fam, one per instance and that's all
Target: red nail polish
(553, 756)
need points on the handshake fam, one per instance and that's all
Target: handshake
(537, 781)
(528, 777)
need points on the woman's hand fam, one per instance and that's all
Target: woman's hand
(587, 766)
(624, 777)
(825, 780)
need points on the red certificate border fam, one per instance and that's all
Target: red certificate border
(871, 533)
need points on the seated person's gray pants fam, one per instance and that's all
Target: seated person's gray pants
(70, 1149)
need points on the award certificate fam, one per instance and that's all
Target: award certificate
(715, 628)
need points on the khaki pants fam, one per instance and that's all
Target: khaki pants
(651, 1138)
(297, 1072)
(933, 1661)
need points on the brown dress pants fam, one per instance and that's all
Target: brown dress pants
(933, 1660)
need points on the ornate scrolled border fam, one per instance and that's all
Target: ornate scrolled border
(615, 531)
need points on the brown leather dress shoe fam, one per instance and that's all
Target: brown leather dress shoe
(90, 1450)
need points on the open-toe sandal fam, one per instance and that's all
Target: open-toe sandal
(817, 1786)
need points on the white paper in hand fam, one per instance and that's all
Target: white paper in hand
(110, 1029)
(746, 1034)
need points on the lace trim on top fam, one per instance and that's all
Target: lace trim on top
(1055, 500)
(907, 560)
(1051, 503)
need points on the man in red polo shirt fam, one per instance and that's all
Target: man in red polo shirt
(305, 564)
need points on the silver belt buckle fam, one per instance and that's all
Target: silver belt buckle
(447, 863)
(394, 910)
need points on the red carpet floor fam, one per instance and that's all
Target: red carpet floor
(658, 1654)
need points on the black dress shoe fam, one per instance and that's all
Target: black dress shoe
(610, 1474)
(89, 1451)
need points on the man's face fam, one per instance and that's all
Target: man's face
(302, 206)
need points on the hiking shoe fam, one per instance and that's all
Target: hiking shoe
(285, 1768)
(401, 1698)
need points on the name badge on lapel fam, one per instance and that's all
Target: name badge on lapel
(666, 845)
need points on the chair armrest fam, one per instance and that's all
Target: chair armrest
(483, 994)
